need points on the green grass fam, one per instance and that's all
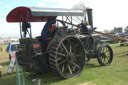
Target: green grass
(117, 49)
(92, 74)
(6, 79)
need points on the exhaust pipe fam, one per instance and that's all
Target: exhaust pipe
(90, 17)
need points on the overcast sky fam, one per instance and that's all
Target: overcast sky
(106, 13)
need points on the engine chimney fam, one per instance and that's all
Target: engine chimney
(90, 18)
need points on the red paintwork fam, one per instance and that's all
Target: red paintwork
(13, 16)
(52, 28)
(13, 56)
(36, 46)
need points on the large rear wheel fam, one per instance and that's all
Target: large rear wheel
(67, 57)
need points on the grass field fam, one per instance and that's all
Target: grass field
(93, 73)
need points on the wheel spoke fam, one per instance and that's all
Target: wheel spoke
(103, 60)
(61, 48)
(63, 68)
(69, 69)
(105, 49)
(59, 58)
(70, 48)
(75, 64)
(64, 47)
(61, 54)
(108, 58)
(62, 62)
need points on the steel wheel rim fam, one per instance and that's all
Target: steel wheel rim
(105, 55)
(68, 59)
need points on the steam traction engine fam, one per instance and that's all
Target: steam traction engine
(65, 44)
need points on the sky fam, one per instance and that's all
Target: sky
(107, 14)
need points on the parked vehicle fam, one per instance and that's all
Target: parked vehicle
(13, 49)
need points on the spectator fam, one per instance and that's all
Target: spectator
(0, 70)
(8, 47)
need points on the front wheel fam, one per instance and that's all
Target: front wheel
(105, 55)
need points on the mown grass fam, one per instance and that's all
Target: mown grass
(6, 79)
(92, 74)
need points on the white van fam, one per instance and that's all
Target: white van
(13, 49)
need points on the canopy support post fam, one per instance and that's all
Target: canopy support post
(20, 25)
(62, 18)
(71, 22)
(28, 17)
(30, 24)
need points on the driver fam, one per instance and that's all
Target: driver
(45, 30)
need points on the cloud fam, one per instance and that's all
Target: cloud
(109, 13)
(61, 3)
(40, 4)
(67, 4)
(44, 3)
(71, 3)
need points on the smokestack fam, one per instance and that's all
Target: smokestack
(90, 18)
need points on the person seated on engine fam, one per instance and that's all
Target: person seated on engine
(45, 30)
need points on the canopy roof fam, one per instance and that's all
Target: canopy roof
(38, 14)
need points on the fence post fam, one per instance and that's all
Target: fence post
(36, 81)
